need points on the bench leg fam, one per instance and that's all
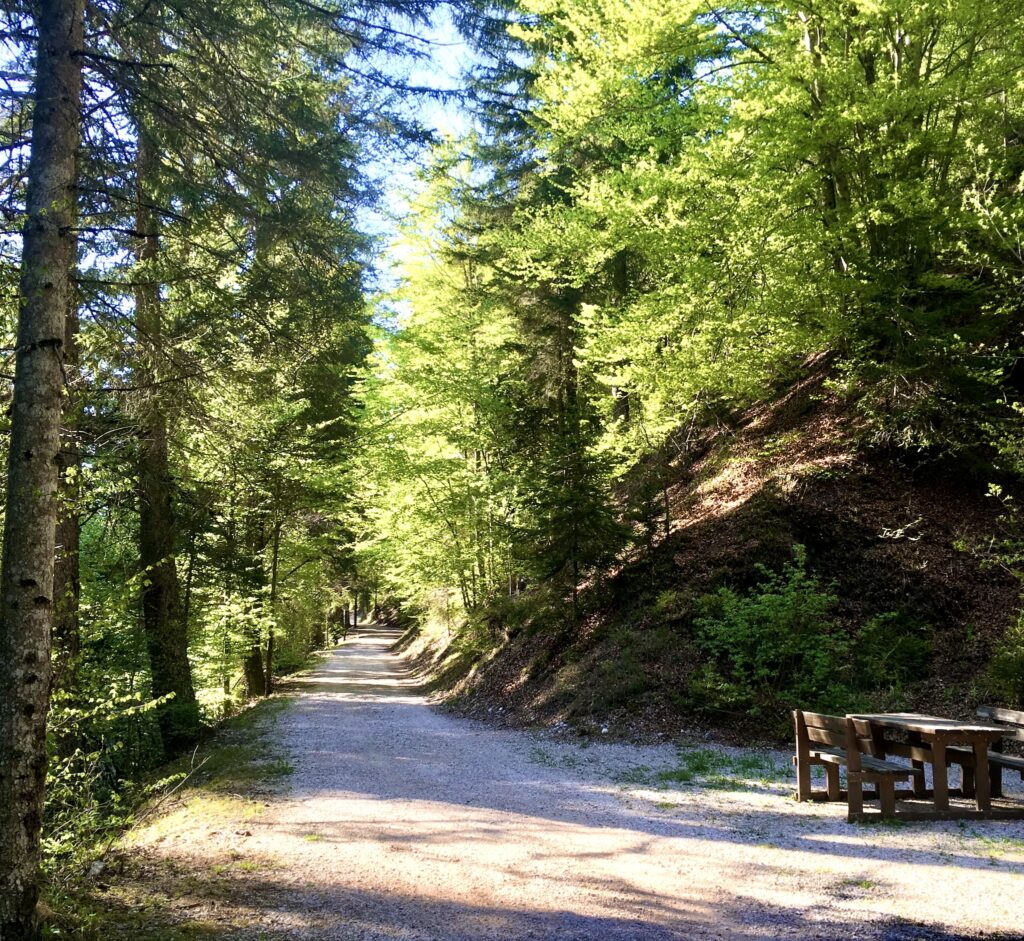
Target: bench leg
(832, 782)
(984, 782)
(854, 796)
(803, 779)
(995, 773)
(920, 790)
(967, 777)
(940, 776)
(887, 796)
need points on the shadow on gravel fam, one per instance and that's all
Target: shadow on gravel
(251, 908)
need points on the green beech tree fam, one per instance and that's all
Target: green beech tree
(678, 204)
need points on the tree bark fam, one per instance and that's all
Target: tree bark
(255, 678)
(67, 583)
(274, 561)
(26, 580)
(163, 621)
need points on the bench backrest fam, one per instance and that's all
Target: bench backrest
(824, 729)
(1004, 717)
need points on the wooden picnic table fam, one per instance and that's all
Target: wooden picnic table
(927, 740)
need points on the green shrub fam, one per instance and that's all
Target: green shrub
(1005, 550)
(539, 610)
(778, 647)
(670, 605)
(619, 682)
(1006, 670)
(773, 648)
(100, 752)
(892, 649)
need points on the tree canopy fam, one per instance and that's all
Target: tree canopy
(241, 438)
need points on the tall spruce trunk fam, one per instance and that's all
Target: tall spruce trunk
(162, 614)
(275, 559)
(26, 580)
(67, 582)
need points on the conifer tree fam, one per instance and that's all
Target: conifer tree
(26, 582)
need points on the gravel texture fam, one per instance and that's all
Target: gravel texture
(402, 822)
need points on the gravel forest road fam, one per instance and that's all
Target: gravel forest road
(403, 823)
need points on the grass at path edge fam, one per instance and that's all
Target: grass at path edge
(224, 779)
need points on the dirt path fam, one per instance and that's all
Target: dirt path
(400, 822)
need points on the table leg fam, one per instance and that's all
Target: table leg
(996, 771)
(887, 796)
(940, 774)
(982, 793)
(967, 779)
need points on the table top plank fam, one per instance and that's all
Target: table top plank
(915, 722)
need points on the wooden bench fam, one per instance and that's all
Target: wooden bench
(833, 742)
(997, 761)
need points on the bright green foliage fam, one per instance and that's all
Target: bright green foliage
(687, 204)
(779, 181)
(774, 648)
(479, 471)
(1006, 672)
(432, 473)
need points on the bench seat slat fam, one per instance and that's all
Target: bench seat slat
(957, 752)
(868, 763)
(1011, 716)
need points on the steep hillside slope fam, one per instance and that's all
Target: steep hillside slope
(899, 545)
